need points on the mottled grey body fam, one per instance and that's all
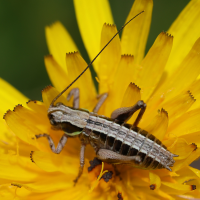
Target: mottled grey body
(105, 133)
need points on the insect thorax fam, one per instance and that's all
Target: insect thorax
(68, 119)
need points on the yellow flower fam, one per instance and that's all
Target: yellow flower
(168, 78)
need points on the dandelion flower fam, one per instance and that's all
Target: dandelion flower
(168, 78)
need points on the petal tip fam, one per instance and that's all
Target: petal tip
(30, 101)
(163, 111)
(74, 52)
(152, 186)
(127, 55)
(194, 146)
(193, 187)
(17, 107)
(6, 114)
(31, 156)
(47, 88)
(135, 86)
(167, 34)
(17, 185)
(191, 95)
(119, 195)
(109, 25)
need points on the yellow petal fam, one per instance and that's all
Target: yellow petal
(187, 71)
(190, 138)
(8, 193)
(50, 162)
(178, 105)
(109, 58)
(175, 106)
(9, 96)
(131, 96)
(39, 185)
(63, 189)
(177, 189)
(154, 180)
(185, 32)
(158, 125)
(186, 162)
(134, 35)
(194, 88)
(49, 93)
(17, 168)
(149, 72)
(59, 43)
(15, 122)
(182, 78)
(38, 107)
(123, 78)
(164, 195)
(90, 27)
(75, 65)
(187, 173)
(195, 171)
(57, 75)
(181, 148)
(124, 73)
(179, 127)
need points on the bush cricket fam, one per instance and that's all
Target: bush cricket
(113, 140)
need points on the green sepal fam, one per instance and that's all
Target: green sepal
(74, 133)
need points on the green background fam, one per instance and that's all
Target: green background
(22, 40)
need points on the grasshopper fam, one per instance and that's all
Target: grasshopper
(113, 140)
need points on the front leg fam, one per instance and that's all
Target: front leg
(82, 162)
(102, 99)
(76, 93)
(60, 145)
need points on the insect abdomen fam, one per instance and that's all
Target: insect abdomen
(129, 142)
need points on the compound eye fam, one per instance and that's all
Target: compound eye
(51, 119)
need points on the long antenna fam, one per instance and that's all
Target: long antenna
(53, 101)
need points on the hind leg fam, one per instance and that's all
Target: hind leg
(115, 158)
(125, 113)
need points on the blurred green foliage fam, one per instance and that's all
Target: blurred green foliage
(23, 44)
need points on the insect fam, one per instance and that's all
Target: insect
(113, 140)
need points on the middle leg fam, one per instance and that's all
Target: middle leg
(82, 162)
